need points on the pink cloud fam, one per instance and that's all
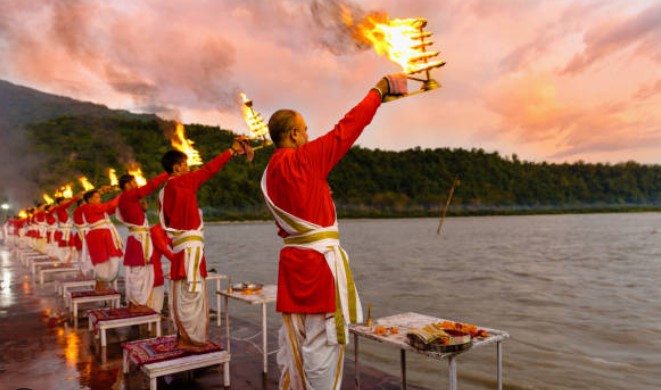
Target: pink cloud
(613, 36)
(503, 88)
(648, 91)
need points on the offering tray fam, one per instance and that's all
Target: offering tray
(247, 287)
(439, 340)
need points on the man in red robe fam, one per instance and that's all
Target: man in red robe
(139, 271)
(40, 229)
(316, 292)
(64, 226)
(81, 254)
(182, 220)
(102, 239)
(51, 229)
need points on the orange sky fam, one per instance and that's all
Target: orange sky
(554, 80)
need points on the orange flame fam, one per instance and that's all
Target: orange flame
(22, 214)
(64, 191)
(181, 143)
(112, 175)
(402, 40)
(139, 177)
(67, 191)
(85, 183)
(253, 119)
(48, 199)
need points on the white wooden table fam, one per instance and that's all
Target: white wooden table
(267, 295)
(410, 320)
(33, 262)
(35, 265)
(186, 363)
(63, 285)
(24, 255)
(103, 325)
(61, 268)
(214, 276)
(112, 298)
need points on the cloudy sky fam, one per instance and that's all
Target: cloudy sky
(553, 80)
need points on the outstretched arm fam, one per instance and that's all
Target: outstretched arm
(326, 151)
(151, 185)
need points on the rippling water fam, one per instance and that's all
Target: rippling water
(579, 294)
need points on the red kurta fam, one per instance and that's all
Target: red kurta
(52, 223)
(39, 220)
(161, 243)
(78, 220)
(296, 182)
(132, 213)
(180, 210)
(100, 243)
(62, 216)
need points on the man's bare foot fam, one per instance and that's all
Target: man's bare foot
(100, 286)
(134, 308)
(190, 347)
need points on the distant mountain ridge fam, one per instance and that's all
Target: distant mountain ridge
(21, 105)
(49, 140)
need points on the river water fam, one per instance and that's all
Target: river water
(580, 295)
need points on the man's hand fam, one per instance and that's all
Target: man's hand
(397, 83)
(393, 85)
(240, 146)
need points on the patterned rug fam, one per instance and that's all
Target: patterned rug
(92, 293)
(114, 314)
(160, 349)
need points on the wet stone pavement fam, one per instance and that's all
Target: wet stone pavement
(41, 348)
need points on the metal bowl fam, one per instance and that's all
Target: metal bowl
(244, 286)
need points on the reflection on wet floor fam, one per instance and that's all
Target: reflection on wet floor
(41, 348)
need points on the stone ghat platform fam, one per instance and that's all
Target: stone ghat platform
(40, 346)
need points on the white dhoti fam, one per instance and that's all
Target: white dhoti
(51, 243)
(83, 256)
(317, 337)
(306, 359)
(41, 245)
(190, 306)
(139, 284)
(64, 254)
(108, 270)
(190, 312)
(157, 298)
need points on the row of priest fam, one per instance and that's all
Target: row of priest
(317, 295)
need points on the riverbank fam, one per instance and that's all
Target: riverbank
(356, 213)
(40, 348)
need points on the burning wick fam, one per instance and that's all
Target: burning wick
(112, 175)
(85, 183)
(64, 191)
(136, 172)
(256, 125)
(404, 41)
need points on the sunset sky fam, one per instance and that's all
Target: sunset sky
(554, 80)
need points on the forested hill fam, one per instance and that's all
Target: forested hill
(19, 107)
(69, 138)
(366, 182)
